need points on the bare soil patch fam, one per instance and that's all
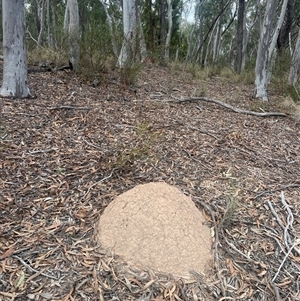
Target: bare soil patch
(67, 154)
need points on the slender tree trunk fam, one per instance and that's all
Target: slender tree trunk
(162, 25)
(284, 34)
(82, 17)
(217, 42)
(49, 37)
(170, 25)
(275, 39)
(73, 31)
(294, 70)
(212, 27)
(67, 18)
(262, 60)
(41, 16)
(143, 46)
(15, 82)
(111, 29)
(54, 40)
(36, 16)
(206, 50)
(240, 36)
(151, 25)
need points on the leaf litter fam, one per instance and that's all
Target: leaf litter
(68, 153)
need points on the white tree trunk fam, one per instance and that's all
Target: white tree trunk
(15, 82)
(272, 52)
(262, 59)
(169, 34)
(248, 30)
(72, 25)
(293, 75)
(216, 42)
(67, 18)
(143, 47)
(49, 38)
(130, 31)
(241, 36)
(134, 46)
(41, 16)
(212, 34)
(111, 29)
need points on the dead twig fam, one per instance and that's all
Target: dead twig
(48, 150)
(32, 269)
(226, 105)
(95, 184)
(217, 242)
(276, 291)
(296, 243)
(69, 108)
(278, 189)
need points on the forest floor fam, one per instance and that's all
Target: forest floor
(66, 154)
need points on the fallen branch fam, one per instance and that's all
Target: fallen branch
(278, 189)
(102, 180)
(32, 269)
(228, 106)
(69, 108)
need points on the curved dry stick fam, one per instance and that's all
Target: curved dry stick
(230, 107)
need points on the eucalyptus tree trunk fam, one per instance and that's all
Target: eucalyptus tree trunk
(151, 25)
(134, 47)
(216, 42)
(49, 37)
(294, 69)
(262, 59)
(41, 10)
(196, 36)
(275, 38)
(206, 50)
(111, 29)
(71, 24)
(170, 25)
(54, 31)
(15, 81)
(240, 36)
(162, 21)
(285, 31)
(248, 30)
(130, 32)
(35, 8)
(211, 28)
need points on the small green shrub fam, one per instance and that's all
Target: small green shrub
(130, 72)
(291, 107)
(140, 147)
(293, 92)
(230, 212)
(57, 57)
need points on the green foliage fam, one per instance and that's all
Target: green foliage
(96, 51)
(291, 107)
(293, 92)
(56, 15)
(38, 55)
(130, 72)
(280, 70)
(257, 105)
(232, 200)
(155, 38)
(139, 149)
